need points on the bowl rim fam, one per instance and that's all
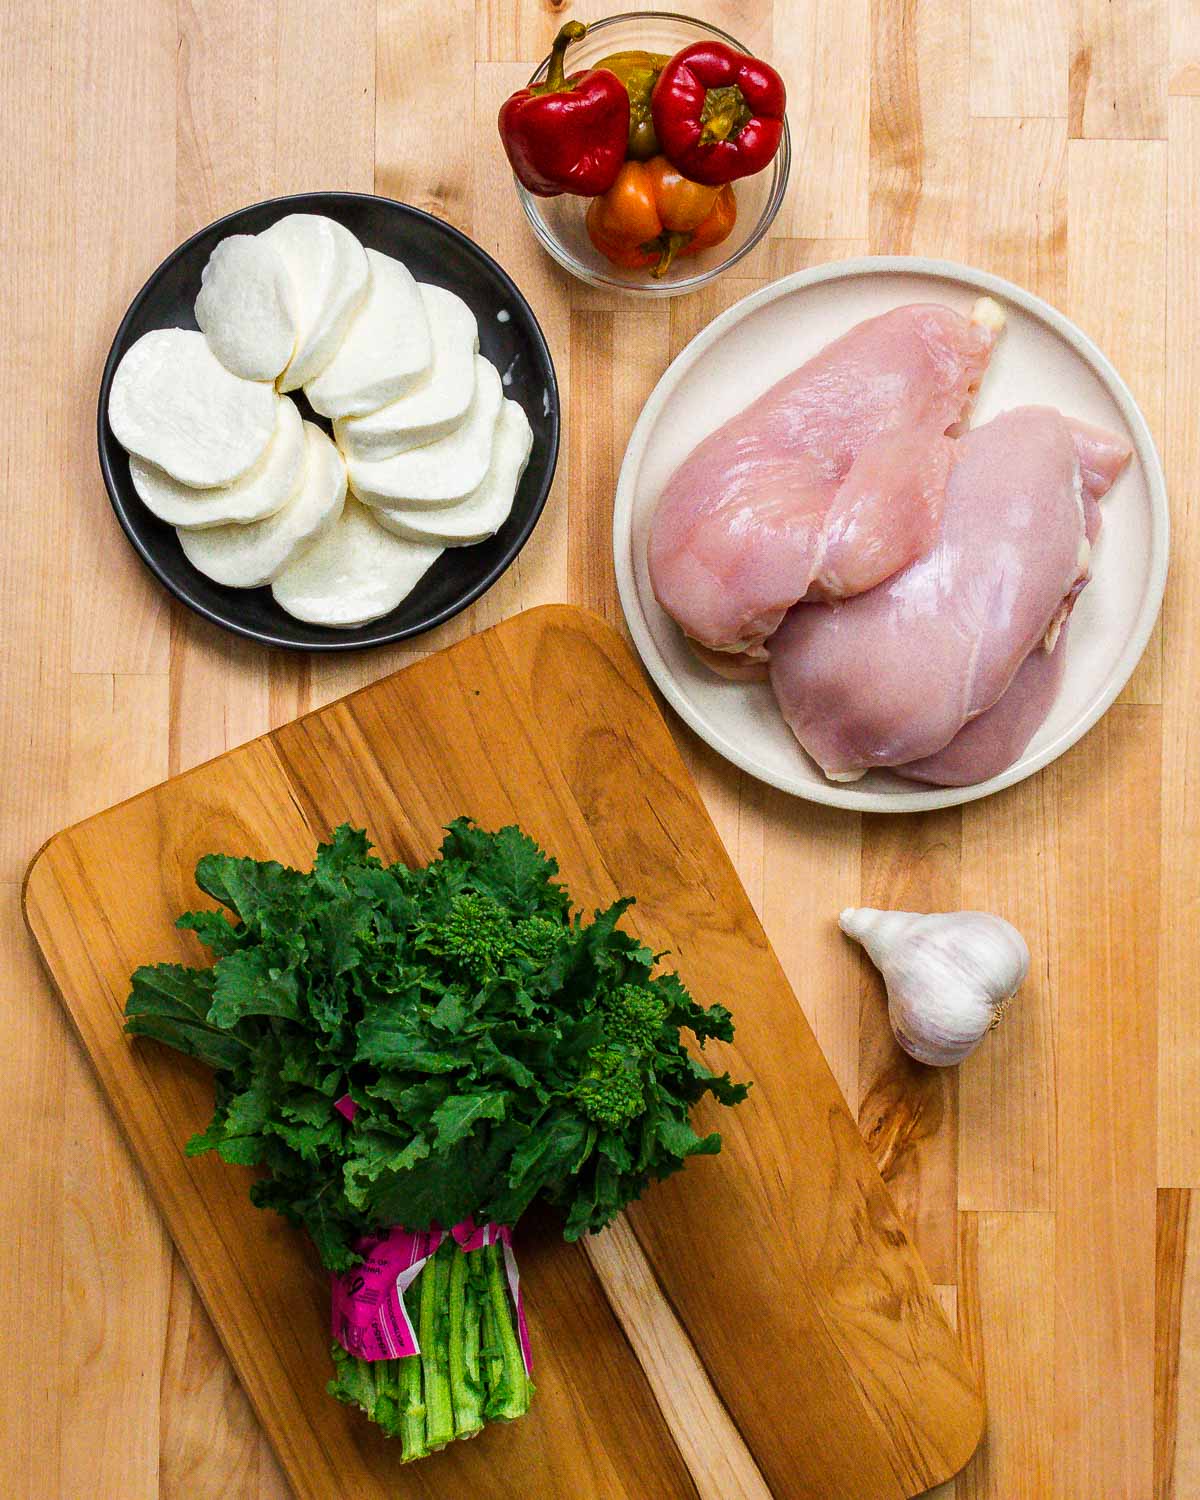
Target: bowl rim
(781, 166)
(833, 794)
(108, 446)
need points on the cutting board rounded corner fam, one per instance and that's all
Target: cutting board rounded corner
(969, 1435)
(30, 875)
(574, 617)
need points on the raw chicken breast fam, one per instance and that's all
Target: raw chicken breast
(992, 741)
(829, 482)
(1102, 455)
(891, 677)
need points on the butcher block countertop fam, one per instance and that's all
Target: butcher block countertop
(1048, 1182)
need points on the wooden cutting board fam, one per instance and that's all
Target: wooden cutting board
(783, 1257)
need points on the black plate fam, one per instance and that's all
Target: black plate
(433, 252)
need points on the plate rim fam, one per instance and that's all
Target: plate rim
(832, 794)
(383, 637)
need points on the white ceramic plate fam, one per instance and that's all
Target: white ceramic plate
(1042, 359)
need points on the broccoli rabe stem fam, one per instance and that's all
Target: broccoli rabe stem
(412, 1407)
(385, 1409)
(490, 1360)
(434, 1337)
(358, 1383)
(473, 1337)
(509, 1391)
(465, 1391)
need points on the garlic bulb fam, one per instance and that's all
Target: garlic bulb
(949, 975)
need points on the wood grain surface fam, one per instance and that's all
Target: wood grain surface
(790, 1247)
(1054, 141)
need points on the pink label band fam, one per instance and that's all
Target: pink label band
(514, 1287)
(369, 1316)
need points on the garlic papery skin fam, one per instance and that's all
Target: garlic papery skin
(949, 975)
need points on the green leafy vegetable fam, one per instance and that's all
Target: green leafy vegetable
(498, 1047)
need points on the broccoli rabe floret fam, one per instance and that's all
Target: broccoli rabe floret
(635, 1015)
(539, 938)
(610, 1091)
(476, 931)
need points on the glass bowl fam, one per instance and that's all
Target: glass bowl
(558, 222)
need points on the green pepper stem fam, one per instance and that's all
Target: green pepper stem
(717, 128)
(722, 114)
(556, 72)
(671, 240)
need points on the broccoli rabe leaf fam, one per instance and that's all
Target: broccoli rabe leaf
(218, 935)
(498, 1046)
(458, 1114)
(171, 1003)
(507, 865)
(249, 984)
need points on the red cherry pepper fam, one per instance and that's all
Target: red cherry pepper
(718, 113)
(567, 135)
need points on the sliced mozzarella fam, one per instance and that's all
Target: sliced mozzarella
(485, 509)
(246, 557)
(327, 268)
(245, 307)
(438, 404)
(261, 491)
(386, 350)
(355, 573)
(174, 403)
(442, 471)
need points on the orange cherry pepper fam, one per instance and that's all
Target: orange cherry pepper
(681, 205)
(652, 213)
(717, 227)
(629, 257)
(627, 214)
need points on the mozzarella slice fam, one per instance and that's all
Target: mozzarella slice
(438, 404)
(245, 307)
(327, 268)
(386, 350)
(261, 491)
(441, 471)
(485, 509)
(175, 404)
(355, 573)
(246, 557)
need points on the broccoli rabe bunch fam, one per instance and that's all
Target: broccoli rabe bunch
(498, 1046)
